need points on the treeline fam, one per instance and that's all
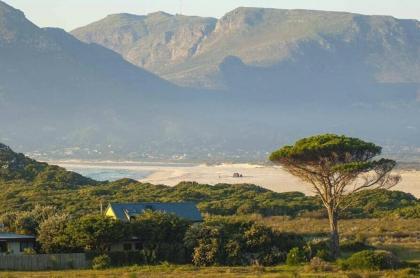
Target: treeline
(221, 199)
(158, 237)
(25, 183)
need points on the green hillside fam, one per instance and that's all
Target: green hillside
(25, 183)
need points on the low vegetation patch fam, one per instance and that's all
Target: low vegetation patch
(371, 260)
(101, 262)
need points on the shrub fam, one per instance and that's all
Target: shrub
(101, 262)
(354, 246)
(238, 242)
(318, 265)
(408, 212)
(295, 256)
(371, 260)
(318, 248)
(29, 251)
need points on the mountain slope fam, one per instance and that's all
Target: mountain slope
(261, 37)
(56, 89)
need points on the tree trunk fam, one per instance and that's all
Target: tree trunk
(334, 237)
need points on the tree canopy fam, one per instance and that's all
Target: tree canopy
(340, 161)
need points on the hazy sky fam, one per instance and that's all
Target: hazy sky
(69, 14)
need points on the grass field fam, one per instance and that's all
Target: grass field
(191, 271)
(369, 228)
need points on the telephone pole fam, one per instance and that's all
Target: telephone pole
(181, 6)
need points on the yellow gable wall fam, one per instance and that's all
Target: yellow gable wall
(109, 212)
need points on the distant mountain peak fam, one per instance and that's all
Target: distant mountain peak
(6, 7)
(123, 16)
(159, 14)
(16, 30)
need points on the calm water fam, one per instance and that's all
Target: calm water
(110, 174)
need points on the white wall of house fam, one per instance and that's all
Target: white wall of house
(14, 247)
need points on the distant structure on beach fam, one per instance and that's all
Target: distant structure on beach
(237, 175)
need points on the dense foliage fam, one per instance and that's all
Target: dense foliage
(233, 242)
(18, 167)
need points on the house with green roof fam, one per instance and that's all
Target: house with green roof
(130, 211)
(15, 244)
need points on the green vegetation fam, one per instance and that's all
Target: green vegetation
(22, 188)
(17, 167)
(236, 242)
(295, 256)
(101, 262)
(24, 183)
(371, 260)
(336, 167)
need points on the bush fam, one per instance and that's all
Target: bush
(101, 262)
(354, 246)
(371, 260)
(318, 265)
(318, 248)
(408, 212)
(237, 242)
(295, 256)
(29, 251)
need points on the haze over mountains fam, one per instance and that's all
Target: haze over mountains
(245, 84)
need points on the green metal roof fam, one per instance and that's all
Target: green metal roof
(186, 210)
(11, 236)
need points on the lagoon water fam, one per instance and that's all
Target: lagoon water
(107, 174)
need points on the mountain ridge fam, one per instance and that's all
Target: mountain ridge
(278, 33)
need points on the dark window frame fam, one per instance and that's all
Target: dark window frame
(127, 246)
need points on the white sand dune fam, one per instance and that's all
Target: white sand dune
(270, 177)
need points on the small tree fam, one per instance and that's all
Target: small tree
(336, 166)
(52, 234)
(95, 232)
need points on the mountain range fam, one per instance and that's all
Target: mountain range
(192, 50)
(167, 86)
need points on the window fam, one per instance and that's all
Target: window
(127, 246)
(3, 246)
(139, 246)
(25, 245)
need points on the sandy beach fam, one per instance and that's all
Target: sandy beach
(270, 177)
